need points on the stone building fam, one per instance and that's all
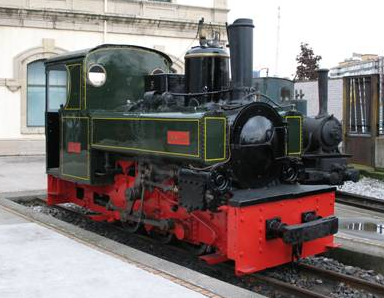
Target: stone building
(33, 30)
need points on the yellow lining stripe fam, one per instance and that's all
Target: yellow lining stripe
(199, 55)
(77, 177)
(62, 149)
(84, 89)
(148, 150)
(148, 118)
(69, 86)
(205, 138)
(300, 134)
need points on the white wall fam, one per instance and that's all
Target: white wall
(335, 97)
(9, 113)
(200, 3)
(13, 41)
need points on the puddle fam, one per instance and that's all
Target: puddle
(376, 228)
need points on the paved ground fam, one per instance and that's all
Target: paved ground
(21, 173)
(38, 262)
(22, 147)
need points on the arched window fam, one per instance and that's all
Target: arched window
(35, 93)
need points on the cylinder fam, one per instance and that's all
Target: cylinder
(240, 38)
(323, 91)
(206, 71)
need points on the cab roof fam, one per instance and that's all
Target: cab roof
(81, 54)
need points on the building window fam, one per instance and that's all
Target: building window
(35, 93)
(285, 94)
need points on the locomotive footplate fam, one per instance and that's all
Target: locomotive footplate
(249, 197)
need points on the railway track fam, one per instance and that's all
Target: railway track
(273, 282)
(359, 201)
(329, 281)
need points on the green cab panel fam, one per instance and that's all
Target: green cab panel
(125, 70)
(75, 150)
(294, 146)
(215, 139)
(148, 135)
(193, 136)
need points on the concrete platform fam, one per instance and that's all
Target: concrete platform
(22, 173)
(38, 262)
(22, 147)
(32, 248)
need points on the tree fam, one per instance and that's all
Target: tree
(308, 63)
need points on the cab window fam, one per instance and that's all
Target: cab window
(57, 88)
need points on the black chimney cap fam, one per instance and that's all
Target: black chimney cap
(242, 22)
(323, 70)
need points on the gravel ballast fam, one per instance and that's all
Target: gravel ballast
(366, 187)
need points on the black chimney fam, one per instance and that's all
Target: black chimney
(240, 38)
(323, 91)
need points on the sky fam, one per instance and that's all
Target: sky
(334, 29)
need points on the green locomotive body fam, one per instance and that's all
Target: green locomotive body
(90, 122)
(195, 136)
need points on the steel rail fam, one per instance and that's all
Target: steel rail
(288, 288)
(360, 201)
(352, 281)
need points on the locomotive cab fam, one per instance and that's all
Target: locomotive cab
(81, 83)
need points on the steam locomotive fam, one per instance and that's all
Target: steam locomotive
(320, 160)
(197, 157)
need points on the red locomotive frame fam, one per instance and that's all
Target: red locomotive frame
(237, 233)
